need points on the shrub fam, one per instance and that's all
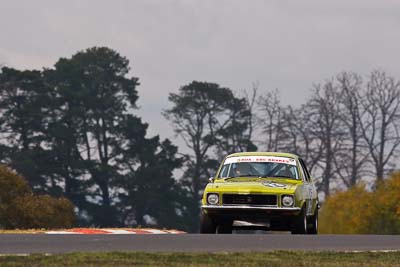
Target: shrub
(344, 212)
(357, 211)
(386, 207)
(41, 212)
(20, 208)
(12, 185)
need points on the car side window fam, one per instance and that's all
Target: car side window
(302, 173)
(224, 171)
(305, 171)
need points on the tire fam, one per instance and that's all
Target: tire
(224, 227)
(299, 226)
(313, 226)
(207, 224)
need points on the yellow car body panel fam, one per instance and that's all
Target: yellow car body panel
(302, 189)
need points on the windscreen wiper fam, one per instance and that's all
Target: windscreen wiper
(241, 176)
(280, 176)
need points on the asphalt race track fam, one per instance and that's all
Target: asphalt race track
(42, 243)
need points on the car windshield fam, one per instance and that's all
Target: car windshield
(266, 166)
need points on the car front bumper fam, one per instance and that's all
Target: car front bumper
(249, 212)
(278, 218)
(244, 207)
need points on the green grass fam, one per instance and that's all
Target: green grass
(278, 258)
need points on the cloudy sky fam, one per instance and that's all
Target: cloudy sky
(281, 44)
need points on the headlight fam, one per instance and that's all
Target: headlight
(287, 201)
(212, 199)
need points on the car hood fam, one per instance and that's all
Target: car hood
(255, 185)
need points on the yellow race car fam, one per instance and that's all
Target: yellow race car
(260, 190)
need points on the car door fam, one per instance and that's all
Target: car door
(311, 192)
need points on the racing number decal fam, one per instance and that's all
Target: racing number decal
(272, 184)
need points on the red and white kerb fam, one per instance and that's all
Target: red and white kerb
(284, 160)
(92, 231)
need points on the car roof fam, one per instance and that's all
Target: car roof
(274, 154)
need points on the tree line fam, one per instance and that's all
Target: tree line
(72, 131)
(347, 130)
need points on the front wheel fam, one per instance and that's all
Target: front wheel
(313, 226)
(299, 226)
(207, 224)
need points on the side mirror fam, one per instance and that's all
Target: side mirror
(211, 180)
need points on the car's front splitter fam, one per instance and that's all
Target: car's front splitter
(244, 207)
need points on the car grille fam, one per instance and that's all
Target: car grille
(251, 199)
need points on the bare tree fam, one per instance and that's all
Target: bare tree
(379, 122)
(325, 125)
(346, 131)
(271, 120)
(351, 159)
(251, 107)
(298, 138)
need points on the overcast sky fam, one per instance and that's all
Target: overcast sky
(282, 44)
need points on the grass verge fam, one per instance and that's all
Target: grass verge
(277, 258)
(23, 231)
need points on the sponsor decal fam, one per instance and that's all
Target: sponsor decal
(284, 160)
